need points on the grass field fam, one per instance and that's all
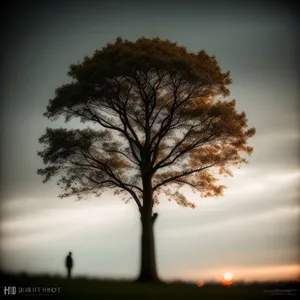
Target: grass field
(88, 289)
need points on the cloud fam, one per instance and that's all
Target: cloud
(53, 224)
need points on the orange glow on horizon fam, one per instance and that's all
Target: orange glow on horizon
(247, 274)
(227, 282)
(200, 283)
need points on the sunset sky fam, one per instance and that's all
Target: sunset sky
(251, 232)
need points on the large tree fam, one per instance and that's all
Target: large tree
(161, 120)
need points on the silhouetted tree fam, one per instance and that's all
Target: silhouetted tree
(163, 122)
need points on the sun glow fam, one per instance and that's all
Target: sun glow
(200, 283)
(227, 281)
(228, 276)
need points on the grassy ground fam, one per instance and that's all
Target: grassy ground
(88, 289)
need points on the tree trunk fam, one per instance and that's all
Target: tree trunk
(148, 272)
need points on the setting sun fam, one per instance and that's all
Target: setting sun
(228, 276)
(200, 283)
(227, 281)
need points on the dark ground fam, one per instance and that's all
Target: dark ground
(51, 287)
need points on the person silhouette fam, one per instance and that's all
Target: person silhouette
(69, 264)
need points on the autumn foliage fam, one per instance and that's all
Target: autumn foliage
(161, 120)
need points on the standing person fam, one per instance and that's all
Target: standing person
(69, 264)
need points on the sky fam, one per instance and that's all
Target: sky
(252, 231)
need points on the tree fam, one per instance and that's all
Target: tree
(161, 121)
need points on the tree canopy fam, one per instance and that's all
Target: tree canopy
(162, 114)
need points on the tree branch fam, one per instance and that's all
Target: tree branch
(174, 178)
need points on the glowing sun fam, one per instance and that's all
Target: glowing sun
(228, 276)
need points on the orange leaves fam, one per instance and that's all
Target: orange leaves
(156, 199)
(225, 171)
(159, 177)
(197, 106)
(147, 90)
(115, 162)
(179, 198)
(238, 143)
(184, 146)
(206, 185)
(249, 150)
(200, 102)
(204, 155)
(250, 132)
(203, 182)
(161, 152)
